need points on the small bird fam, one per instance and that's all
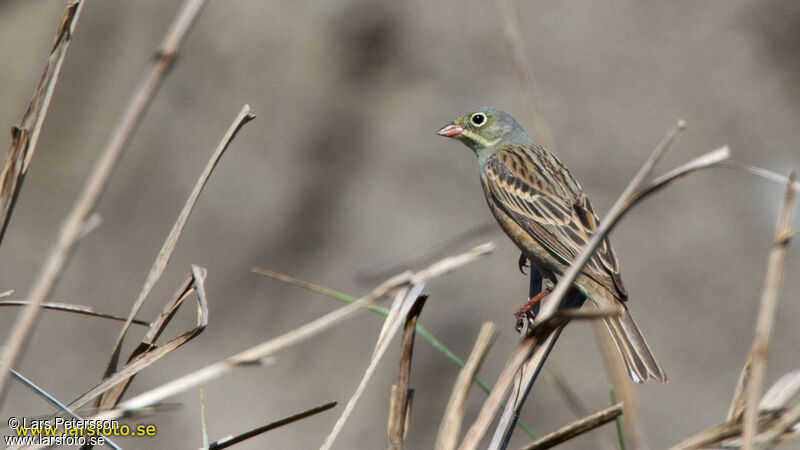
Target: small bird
(543, 209)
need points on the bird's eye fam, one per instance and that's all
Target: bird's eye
(478, 119)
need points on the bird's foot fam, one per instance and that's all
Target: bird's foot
(523, 263)
(524, 313)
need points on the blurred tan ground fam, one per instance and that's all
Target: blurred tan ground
(342, 172)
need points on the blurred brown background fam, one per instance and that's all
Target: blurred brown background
(342, 173)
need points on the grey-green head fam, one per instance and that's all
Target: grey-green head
(485, 129)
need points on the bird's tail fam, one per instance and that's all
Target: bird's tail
(635, 352)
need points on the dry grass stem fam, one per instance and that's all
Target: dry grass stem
(160, 264)
(203, 423)
(577, 428)
(54, 401)
(454, 413)
(259, 353)
(766, 314)
(25, 136)
(74, 224)
(739, 401)
(522, 386)
(231, 440)
(147, 353)
(76, 309)
(401, 395)
(404, 300)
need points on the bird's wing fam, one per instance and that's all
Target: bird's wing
(538, 193)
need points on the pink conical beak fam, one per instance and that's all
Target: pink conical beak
(450, 130)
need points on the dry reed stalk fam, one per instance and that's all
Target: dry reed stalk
(74, 224)
(25, 136)
(478, 429)
(577, 428)
(766, 315)
(401, 395)
(259, 353)
(160, 263)
(454, 413)
(231, 440)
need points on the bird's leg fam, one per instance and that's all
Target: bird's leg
(524, 313)
(523, 263)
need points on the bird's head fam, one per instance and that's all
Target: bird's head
(484, 129)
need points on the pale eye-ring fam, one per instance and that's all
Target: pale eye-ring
(478, 119)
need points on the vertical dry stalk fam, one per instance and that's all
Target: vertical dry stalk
(26, 135)
(489, 408)
(522, 387)
(623, 386)
(401, 394)
(516, 45)
(74, 223)
(766, 314)
(454, 414)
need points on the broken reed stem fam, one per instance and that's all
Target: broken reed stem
(73, 225)
(454, 413)
(26, 135)
(401, 395)
(577, 428)
(163, 257)
(766, 314)
(405, 299)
